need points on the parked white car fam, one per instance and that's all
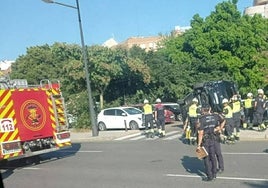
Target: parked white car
(120, 118)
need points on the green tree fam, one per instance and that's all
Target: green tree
(224, 45)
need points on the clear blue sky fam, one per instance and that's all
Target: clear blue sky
(26, 23)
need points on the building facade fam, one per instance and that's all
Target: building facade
(259, 7)
(146, 43)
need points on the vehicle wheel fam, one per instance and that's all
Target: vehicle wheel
(133, 125)
(101, 126)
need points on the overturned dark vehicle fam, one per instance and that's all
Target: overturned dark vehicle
(211, 93)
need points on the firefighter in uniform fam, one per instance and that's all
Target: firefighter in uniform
(190, 124)
(148, 117)
(248, 111)
(209, 124)
(259, 109)
(228, 115)
(236, 107)
(160, 118)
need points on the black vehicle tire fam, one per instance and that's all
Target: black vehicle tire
(133, 125)
(101, 126)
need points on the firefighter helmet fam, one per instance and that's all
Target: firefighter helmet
(224, 101)
(158, 100)
(260, 91)
(195, 100)
(249, 95)
(145, 101)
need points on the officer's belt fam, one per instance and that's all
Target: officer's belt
(210, 136)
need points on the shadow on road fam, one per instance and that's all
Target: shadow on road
(257, 185)
(7, 168)
(193, 165)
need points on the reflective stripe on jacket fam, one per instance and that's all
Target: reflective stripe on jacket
(248, 103)
(228, 112)
(236, 106)
(148, 109)
(193, 110)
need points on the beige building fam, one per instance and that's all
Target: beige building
(259, 7)
(147, 43)
(5, 67)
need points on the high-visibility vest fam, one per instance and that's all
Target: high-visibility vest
(148, 109)
(193, 110)
(236, 107)
(248, 103)
(230, 111)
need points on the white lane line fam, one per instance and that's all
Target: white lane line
(228, 153)
(139, 137)
(172, 137)
(31, 168)
(73, 151)
(128, 136)
(226, 178)
(172, 132)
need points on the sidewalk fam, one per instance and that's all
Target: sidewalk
(86, 136)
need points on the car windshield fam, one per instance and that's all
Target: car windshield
(133, 111)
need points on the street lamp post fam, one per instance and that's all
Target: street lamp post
(85, 59)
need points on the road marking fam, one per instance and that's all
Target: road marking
(79, 151)
(172, 137)
(221, 177)
(138, 136)
(128, 136)
(155, 137)
(228, 153)
(31, 168)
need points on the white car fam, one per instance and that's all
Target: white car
(120, 118)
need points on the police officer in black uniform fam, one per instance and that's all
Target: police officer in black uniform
(209, 124)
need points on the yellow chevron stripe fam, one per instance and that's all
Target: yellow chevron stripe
(4, 136)
(14, 134)
(60, 110)
(64, 144)
(7, 108)
(62, 119)
(11, 155)
(3, 101)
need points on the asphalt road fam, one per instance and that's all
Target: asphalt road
(144, 164)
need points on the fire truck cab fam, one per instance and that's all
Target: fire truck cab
(33, 119)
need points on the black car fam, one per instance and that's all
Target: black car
(175, 108)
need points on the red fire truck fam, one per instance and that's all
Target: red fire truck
(33, 119)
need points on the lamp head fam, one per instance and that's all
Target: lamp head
(48, 1)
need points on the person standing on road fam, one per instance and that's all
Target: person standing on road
(259, 109)
(228, 115)
(218, 146)
(193, 112)
(236, 107)
(148, 117)
(160, 117)
(248, 111)
(209, 124)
